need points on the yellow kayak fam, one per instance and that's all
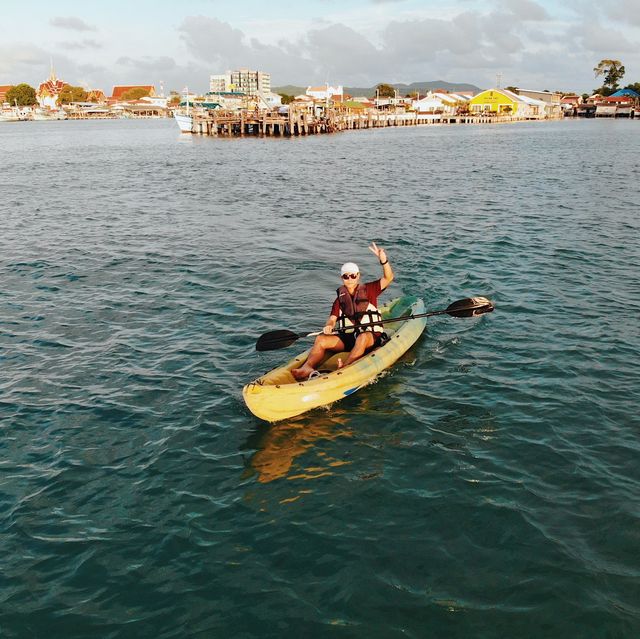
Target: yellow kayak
(278, 395)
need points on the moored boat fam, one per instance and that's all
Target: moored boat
(278, 395)
(184, 121)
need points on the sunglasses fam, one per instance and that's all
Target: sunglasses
(352, 276)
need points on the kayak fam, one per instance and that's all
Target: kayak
(278, 395)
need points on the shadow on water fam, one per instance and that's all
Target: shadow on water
(278, 445)
(372, 415)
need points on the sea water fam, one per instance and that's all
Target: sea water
(487, 486)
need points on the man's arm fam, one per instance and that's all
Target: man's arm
(387, 271)
(330, 325)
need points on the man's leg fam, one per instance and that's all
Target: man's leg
(322, 344)
(363, 342)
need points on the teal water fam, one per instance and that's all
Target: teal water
(488, 486)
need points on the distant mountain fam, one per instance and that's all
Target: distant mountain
(403, 89)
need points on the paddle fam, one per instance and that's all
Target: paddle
(467, 307)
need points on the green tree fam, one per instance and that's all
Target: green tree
(386, 91)
(72, 94)
(613, 71)
(173, 101)
(634, 87)
(22, 95)
(135, 94)
(286, 98)
(512, 89)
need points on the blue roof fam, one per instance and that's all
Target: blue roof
(623, 92)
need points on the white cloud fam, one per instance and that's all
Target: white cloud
(72, 23)
(395, 42)
(624, 11)
(80, 44)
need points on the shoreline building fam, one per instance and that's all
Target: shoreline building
(506, 102)
(49, 91)
(119, 91)
(553, 108)
(4, 89)
(326, 92)
(241, 81)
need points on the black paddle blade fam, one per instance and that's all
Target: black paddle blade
(470, 307)
(273, 340)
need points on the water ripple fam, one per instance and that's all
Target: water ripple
(486, 486)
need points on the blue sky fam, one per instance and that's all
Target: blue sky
(531, 43)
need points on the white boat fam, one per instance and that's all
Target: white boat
(41, 115)
(183, 116)
(10, 115)
(185, 121)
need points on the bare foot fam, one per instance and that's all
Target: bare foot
(302, 373)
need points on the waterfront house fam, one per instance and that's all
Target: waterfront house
(326, 92)
(551, 100)
(499, 102)
(434, 103)
(4, 89)
(620, 106)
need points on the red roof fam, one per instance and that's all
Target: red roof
(618, 99)
(51, 87)
(118, 92)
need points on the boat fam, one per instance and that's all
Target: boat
(184, 121)
(42, 115)
(183, 116)
(8, 116)
(11, 114)
(278, 395)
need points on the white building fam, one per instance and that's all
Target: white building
(438, 103)
(326, 92)
(551, 100)
(241, 81)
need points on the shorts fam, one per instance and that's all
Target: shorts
(349, 340)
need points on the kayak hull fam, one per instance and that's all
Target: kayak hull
(278, 395)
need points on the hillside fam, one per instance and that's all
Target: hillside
(403, 89)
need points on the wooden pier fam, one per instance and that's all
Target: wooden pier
(299, 122)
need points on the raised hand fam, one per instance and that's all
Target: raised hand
(379, 252)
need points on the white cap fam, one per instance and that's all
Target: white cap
(349, 267)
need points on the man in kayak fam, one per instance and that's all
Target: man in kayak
(356, 303)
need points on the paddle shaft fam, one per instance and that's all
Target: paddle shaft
(402, 319)
(462, 308)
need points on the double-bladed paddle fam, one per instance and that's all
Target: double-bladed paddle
(467, 307)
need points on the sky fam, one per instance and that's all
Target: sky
(531, 44)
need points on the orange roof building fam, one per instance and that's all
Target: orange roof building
(4, 89)
(97, 96)
(119, 91)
